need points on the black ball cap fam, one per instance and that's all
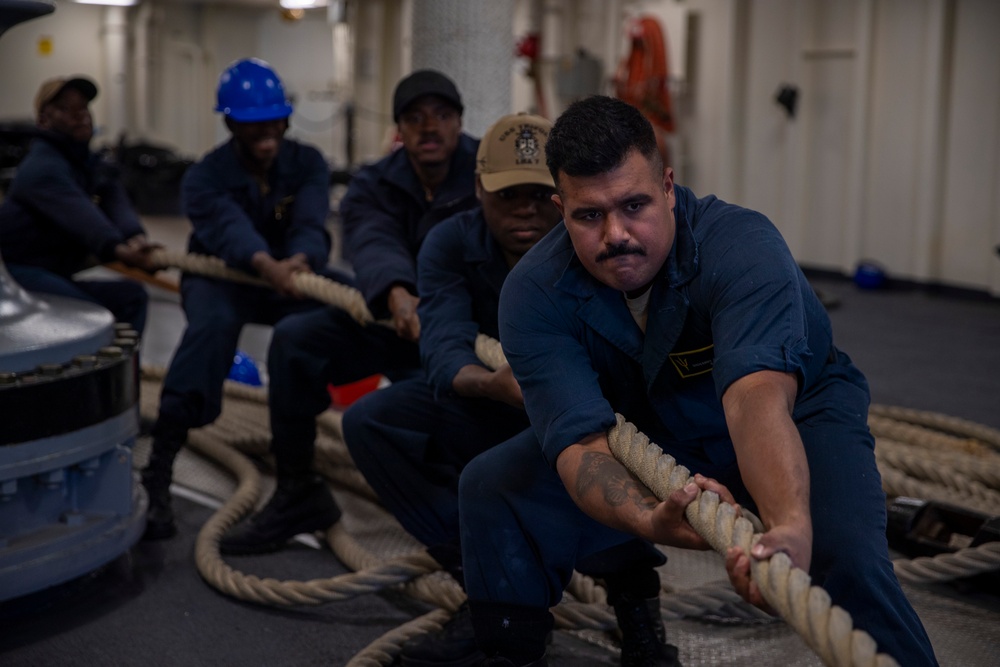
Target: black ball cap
(420, 83)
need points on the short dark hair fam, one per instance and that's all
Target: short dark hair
(595, 135)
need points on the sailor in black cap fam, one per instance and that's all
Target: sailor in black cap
(389, 208)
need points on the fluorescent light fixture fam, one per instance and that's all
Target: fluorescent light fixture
(302, 4)
(112, 3)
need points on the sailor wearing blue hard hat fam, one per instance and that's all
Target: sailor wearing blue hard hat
(259, 201)
(250, 91)
(256, 110)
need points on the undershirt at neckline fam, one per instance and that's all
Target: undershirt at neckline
(639, 308)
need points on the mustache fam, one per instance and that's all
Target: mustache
(619, 250)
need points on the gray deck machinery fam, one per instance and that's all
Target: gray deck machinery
(69, 381)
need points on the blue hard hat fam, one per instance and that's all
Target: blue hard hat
(244, 369)
(250, 91)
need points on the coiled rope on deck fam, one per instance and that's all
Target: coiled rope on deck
(410, 572)
(939, 457)
(827, 629)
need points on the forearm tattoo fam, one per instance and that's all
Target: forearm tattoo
(613, 480)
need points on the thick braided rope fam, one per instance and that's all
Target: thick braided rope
(437, 589)
(964, 461)
(375, 575)
(962, 427)
(953, 469)
(385, 649)
(203, 265)
(371, 574)
(937, 457)
(826, 628)
(927, 476)
(311, 285)
(928, 438)
(489, 351)
(897, 483)
(946, 567)
(271, 591)
(585, 589)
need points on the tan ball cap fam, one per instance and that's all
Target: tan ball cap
(512, 152)
(51, 89)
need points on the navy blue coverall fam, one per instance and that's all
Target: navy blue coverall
(729, 301)
(66, 210)
(412, 439)
(385, 214)
(234, 217)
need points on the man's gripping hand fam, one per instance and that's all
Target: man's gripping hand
(279, 274)
(669, 525)
(794, 540)
(137, 253)
(403, 307)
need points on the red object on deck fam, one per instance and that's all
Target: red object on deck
(345, 394)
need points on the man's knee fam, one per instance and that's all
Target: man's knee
(482, 482)
(474, 478)
(303, 329)
(287, 331)
(357, 425)
(213, 321)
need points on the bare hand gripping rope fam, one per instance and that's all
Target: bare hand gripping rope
(309, 284)
(827, 629)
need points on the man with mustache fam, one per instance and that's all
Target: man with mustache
(691, 318)
(66, 210)
(260, 202)
(388, 209)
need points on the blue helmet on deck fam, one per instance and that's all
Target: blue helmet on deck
(250, 91)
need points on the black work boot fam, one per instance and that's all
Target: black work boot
(156, 477)
(644, 640)
(160, 515)
(512, 635)
(454, 645)
(299, 505)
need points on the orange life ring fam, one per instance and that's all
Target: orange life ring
(642, 77)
